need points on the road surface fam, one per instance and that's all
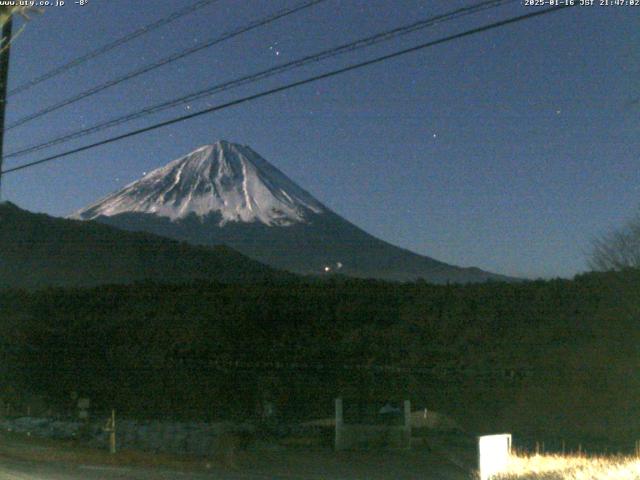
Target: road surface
(27, 460)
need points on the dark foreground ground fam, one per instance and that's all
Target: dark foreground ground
(31, 459)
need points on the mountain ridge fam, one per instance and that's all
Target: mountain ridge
(37, 250)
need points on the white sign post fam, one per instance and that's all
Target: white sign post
(493, 454)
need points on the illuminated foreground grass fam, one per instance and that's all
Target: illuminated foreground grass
(571, 467)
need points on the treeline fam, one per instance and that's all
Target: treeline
(554, 356)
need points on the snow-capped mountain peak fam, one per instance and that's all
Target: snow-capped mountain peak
(224, 178)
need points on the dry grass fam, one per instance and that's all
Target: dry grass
(572, 467)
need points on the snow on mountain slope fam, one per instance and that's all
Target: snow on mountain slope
(223, 178)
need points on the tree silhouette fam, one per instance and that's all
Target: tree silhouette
(618, 249)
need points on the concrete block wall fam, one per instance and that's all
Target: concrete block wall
(193, 438)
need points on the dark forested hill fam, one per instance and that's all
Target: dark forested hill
(38, 250)
(552, 359)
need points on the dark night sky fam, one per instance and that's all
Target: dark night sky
(507, 150)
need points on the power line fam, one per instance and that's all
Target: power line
(248, 79)
(110, 46)
(164, 61)
(289, 86)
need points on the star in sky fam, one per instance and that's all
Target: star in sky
(274, 49)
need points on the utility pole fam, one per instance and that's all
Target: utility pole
(5, 49)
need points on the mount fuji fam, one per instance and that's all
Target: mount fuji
(226, 193)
